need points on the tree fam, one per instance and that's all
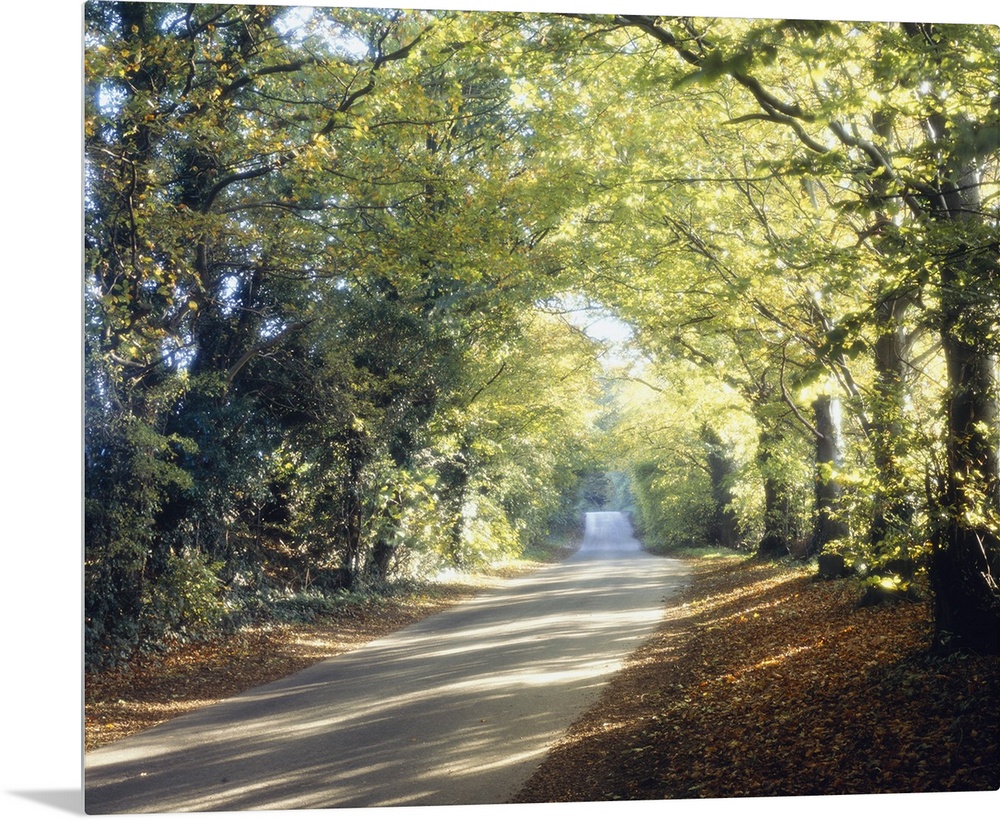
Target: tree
(296, 220)
(319, 243)
(206, 131)
(932, 177)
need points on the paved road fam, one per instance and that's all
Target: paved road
(459, 708)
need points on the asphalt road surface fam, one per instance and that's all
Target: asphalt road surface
(459, 708)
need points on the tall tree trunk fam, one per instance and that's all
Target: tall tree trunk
(353, 557)
(829, 525)
(966, 561)
(893, 512)
(455, 475)
(724, 529)
(776, 540)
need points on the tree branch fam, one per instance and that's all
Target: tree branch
(259, 348)
(791, 404)
(489, 381)
(349, 99)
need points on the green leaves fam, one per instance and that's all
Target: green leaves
(715, 65)
(327, 235)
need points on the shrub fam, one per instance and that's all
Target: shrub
(186, 601)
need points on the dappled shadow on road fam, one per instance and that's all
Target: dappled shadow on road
(458, 708)
(769, 683)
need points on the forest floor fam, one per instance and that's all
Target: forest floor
(761, 681)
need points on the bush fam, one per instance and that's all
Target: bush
(186, 601)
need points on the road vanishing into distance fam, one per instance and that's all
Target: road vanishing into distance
(459, 708)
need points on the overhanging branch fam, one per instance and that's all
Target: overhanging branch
(259, 348)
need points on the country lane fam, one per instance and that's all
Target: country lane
(456, 709)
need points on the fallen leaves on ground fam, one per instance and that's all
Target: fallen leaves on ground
(766, 682)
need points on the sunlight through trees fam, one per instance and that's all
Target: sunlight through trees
(332, 258)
